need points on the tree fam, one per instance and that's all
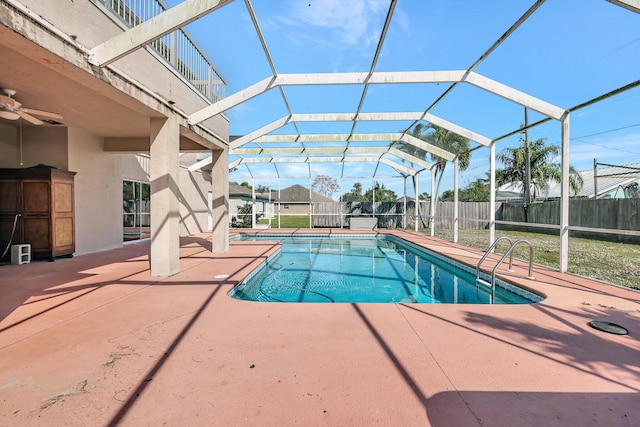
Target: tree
(424, 196)
(446, 195)
(325, 185)
(476, 191)
(246, 185)
(382, 194)
(243, 218)
(632, 191)
(262, 189)
(442, 138)
(543, 169)
(354, 193)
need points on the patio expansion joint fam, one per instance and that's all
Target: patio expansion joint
(435, 361)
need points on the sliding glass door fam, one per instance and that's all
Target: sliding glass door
(136, 205)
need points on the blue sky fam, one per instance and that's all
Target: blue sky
(567, 52)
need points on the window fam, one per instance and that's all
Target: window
(136, 210)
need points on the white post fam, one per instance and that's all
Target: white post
(416, 184)
(456, 170)
(373, 197)
(404, 207)
(220, 202)
(279, 203)
(492, 193)
(432, 208)
(341, 202)
(270, 209)
(165, 216)
(564, 197)
(253, 202)
(310, 205)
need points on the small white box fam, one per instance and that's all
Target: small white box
(21, 254)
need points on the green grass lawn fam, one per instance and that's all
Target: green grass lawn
(288, 221)
(617, 263)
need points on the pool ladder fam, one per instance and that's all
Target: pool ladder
(509, 253)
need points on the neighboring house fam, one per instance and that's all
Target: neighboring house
(295, 200)
(617, 182)
(239, 196)
(409, 199)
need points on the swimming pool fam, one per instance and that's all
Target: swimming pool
(366, 268)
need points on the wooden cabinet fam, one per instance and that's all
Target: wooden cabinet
(40, 201)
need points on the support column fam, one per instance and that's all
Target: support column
(417, 212)
(404, 205)
(456, 170)
(432, 208)
(165, 217)
(220, 190)
(253, 202)
(564, 197)
(492, 193)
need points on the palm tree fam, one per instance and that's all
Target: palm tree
(543, 169)
(442, 138)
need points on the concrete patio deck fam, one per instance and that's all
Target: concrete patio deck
(95, 340)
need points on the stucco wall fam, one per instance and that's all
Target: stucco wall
(98, 193)
(8, 146)
(40, 145)
(194, 189)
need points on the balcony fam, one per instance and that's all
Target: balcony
(178, 49)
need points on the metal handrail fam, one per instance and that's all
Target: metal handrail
(509, 251)
(486, 254)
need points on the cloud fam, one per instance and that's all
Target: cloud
(342, 27)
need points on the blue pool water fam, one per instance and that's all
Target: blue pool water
(378, 269)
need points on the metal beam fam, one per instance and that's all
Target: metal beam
(309, 159)
(152, 29)
(347, 117)
(199, 165)
(410, 158)
(232, 100)
(416, 142)
(480, 139)
(397, 166)
(258, 133)
(379, 78)
(235, 164)
(308, 150)
(322, 79)
(515, 95)
(332, 137)
(632, 5)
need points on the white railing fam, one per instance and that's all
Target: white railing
(177, 48)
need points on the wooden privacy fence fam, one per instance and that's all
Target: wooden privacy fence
(472, 215)
(608, 214)
(621, 215)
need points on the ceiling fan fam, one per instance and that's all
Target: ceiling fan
(11, 109)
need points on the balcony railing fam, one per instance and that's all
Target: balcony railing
(177, 48)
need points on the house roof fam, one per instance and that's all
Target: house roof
(237, 190)
(609, 179)
(299, 194)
